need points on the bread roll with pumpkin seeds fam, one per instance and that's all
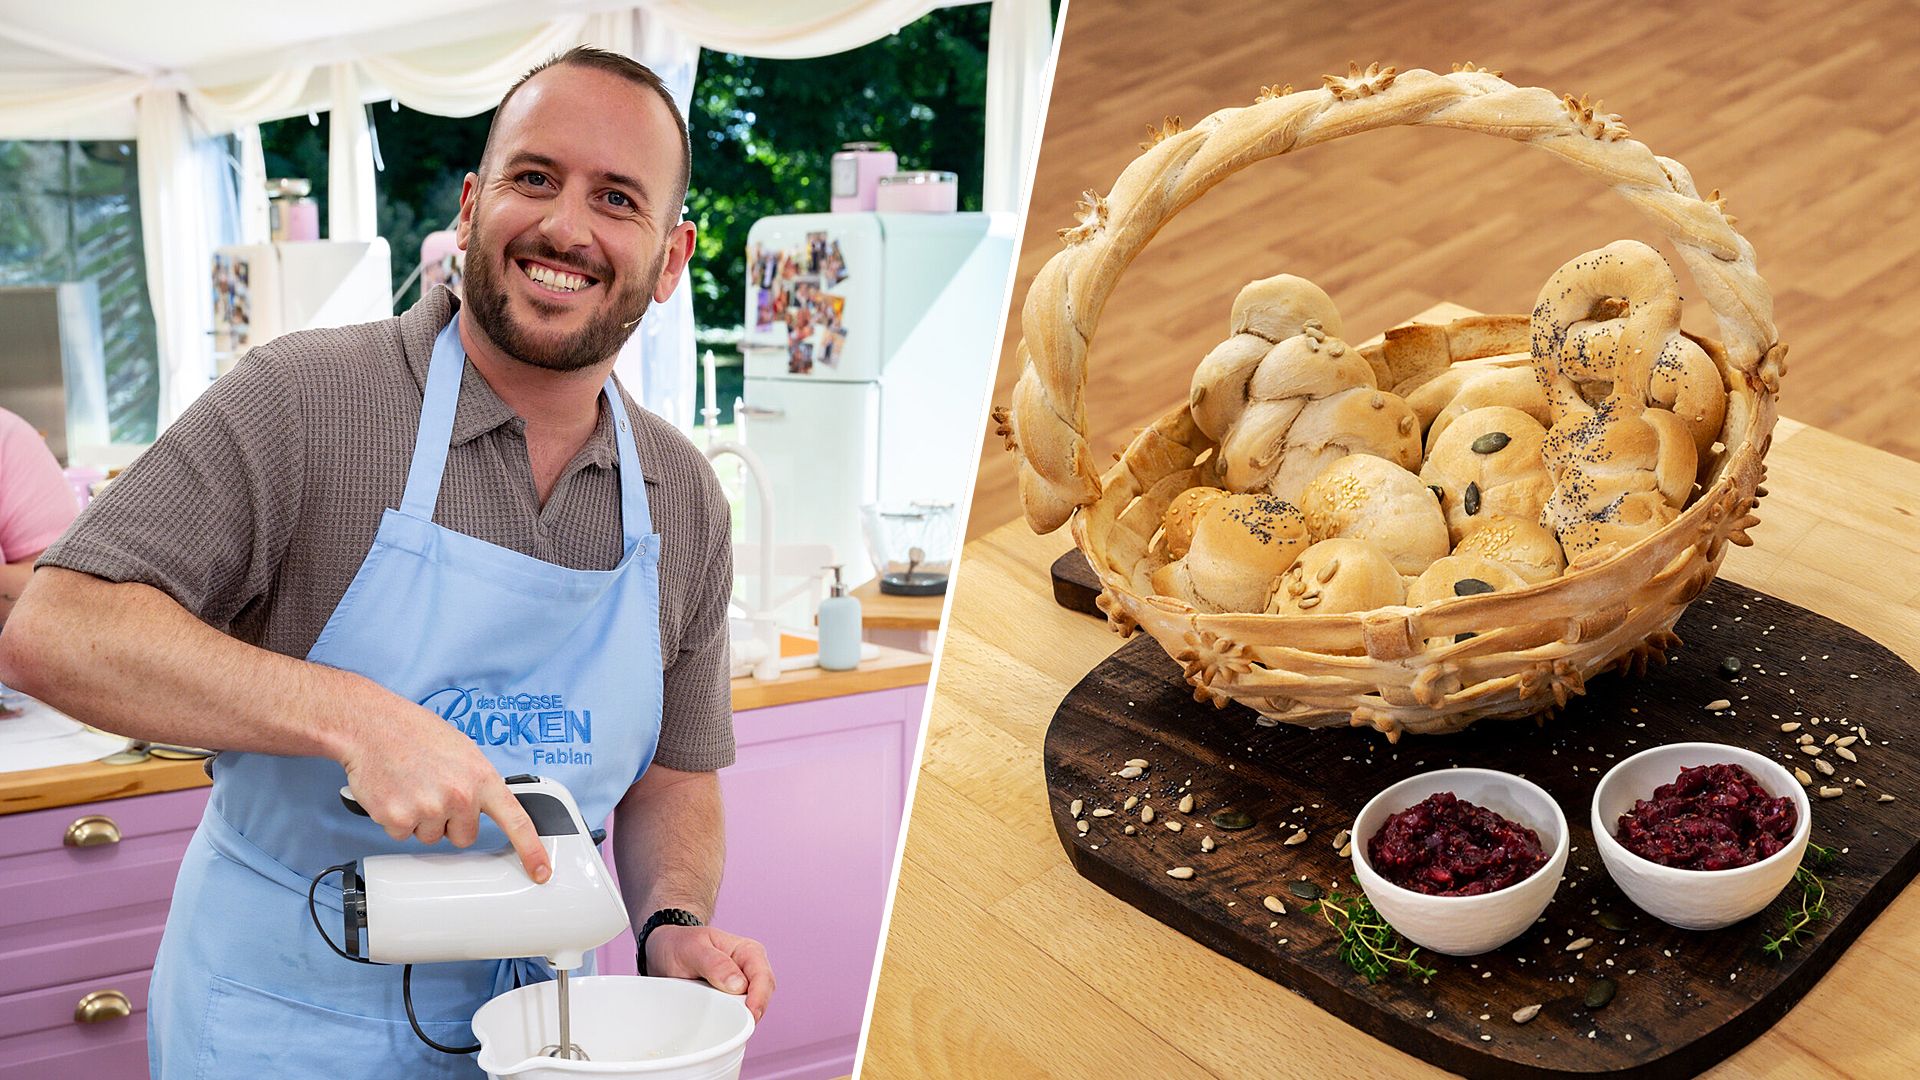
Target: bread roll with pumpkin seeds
(1342, 574)
(1364, 497)
(1462, 575)
(1176, 525)
(1471, 385)
(1240, 545)
(1526, 547)
(1488, 462)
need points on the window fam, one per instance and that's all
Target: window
(70, 211)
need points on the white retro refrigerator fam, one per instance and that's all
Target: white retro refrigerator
(871, 340)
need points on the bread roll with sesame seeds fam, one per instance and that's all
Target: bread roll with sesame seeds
(1176, 525)
(1488, 462)
(1523, 545)
(1240, 546)
(1338, 575)
(1364, 497)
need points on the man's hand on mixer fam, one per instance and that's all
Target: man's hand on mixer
(725, 961)
(418, 775)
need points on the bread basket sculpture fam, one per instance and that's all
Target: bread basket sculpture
(1583, 466)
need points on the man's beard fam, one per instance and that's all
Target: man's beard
(486, 296)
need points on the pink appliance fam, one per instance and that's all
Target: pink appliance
(857, 170)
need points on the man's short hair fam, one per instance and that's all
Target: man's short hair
(626, 68)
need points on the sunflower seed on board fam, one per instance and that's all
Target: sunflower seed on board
(1847, 740)
(1525, 1013)
(1884, 798)
(1273, 904)
(1186, 804)
(1146, 815)
(1831, 739)
(1132, 801)
(1136, 763)
(1831, 792)
(1206, 844)
(1299, 837)
(1579, 943)
(1824, 766)
(1803, 776)
(1346, 850)
(1340, 838)
(1791, 725)
(1073, 808)
(1083, 825)
(1718, 704)
(1130, 830)
(1105, 811)
(1810, 749)
(1173, 825)
(1804, 739)
(1181, 873)
(1131, 772)
(1845, 753)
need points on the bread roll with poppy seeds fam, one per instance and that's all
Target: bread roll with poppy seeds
(1240, 545)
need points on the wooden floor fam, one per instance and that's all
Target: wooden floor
(1806, 116)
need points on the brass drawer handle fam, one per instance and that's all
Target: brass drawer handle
(92, 831)
(102, 1006)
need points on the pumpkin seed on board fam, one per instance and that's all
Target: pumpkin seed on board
(1730, 667)
(1612, 920)
(1600, 993)
(1231, 820)
(1305, 890)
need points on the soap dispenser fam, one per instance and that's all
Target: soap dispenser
(839, 628)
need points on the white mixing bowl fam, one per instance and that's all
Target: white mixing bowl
(629, 1025)
(1465, 925)
(1695, 899)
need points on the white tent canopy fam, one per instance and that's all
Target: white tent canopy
(171, 72)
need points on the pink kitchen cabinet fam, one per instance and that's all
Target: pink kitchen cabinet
(814, 808)
(814, 804)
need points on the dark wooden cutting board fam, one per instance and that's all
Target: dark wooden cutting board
(1685, 999)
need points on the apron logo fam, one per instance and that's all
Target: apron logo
(541, 722)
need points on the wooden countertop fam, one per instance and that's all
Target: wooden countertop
(1002, 961)
(70, 785)
(879, 611)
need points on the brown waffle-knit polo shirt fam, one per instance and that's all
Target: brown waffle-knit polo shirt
(255, 508)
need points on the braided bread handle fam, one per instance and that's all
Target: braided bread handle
(1047, 422)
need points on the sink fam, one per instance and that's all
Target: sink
(33, 735)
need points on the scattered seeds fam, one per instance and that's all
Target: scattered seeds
(1083, 825)
(1273, 904)
(1831, 739)
(1730, 667)
(1130, 830)
(1231, 820)
(1181, 873)
(1131, 772)
(1340, 838)
(1831, 792)
(1845, 753)
(1525, 1013)
(1803, 776)
(1132, 801)
(1825, 767)
(1579, 943)
(1612, 920)
(1809, 748)
(1146, 814)
(1718, 704)
(1847, 740)
(1884, 798)
(1346, 850)
(1173, 825)
(1073, 808)
(1186, 804)
(1790, 726)
(1206, 844)
(1305, 890)
(1299, 837)
(1137, 763)
(1600, 993)
(1105, 811)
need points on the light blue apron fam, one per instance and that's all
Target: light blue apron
(551, 671)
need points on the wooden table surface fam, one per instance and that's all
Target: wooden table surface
(1001, 961)
(882, 611)
(71, 785)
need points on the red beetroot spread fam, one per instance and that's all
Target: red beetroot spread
(1712, 817)
(1446, 846)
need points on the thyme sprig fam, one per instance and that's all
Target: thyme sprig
(1797, 923)
(1367, 944)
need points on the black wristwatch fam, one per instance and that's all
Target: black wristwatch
(667, 916)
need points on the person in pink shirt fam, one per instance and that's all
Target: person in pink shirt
(36, 505)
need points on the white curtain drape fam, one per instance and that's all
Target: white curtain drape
(254, 226)
(784, 30)
(1019, 47)
(350, 186)
(177, 232)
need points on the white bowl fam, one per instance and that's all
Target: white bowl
(630, 1025)
(1695, 899)
(1465, 925)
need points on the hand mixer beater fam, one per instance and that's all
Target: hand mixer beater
(437, 907)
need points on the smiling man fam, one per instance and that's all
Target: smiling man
(414, 557)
